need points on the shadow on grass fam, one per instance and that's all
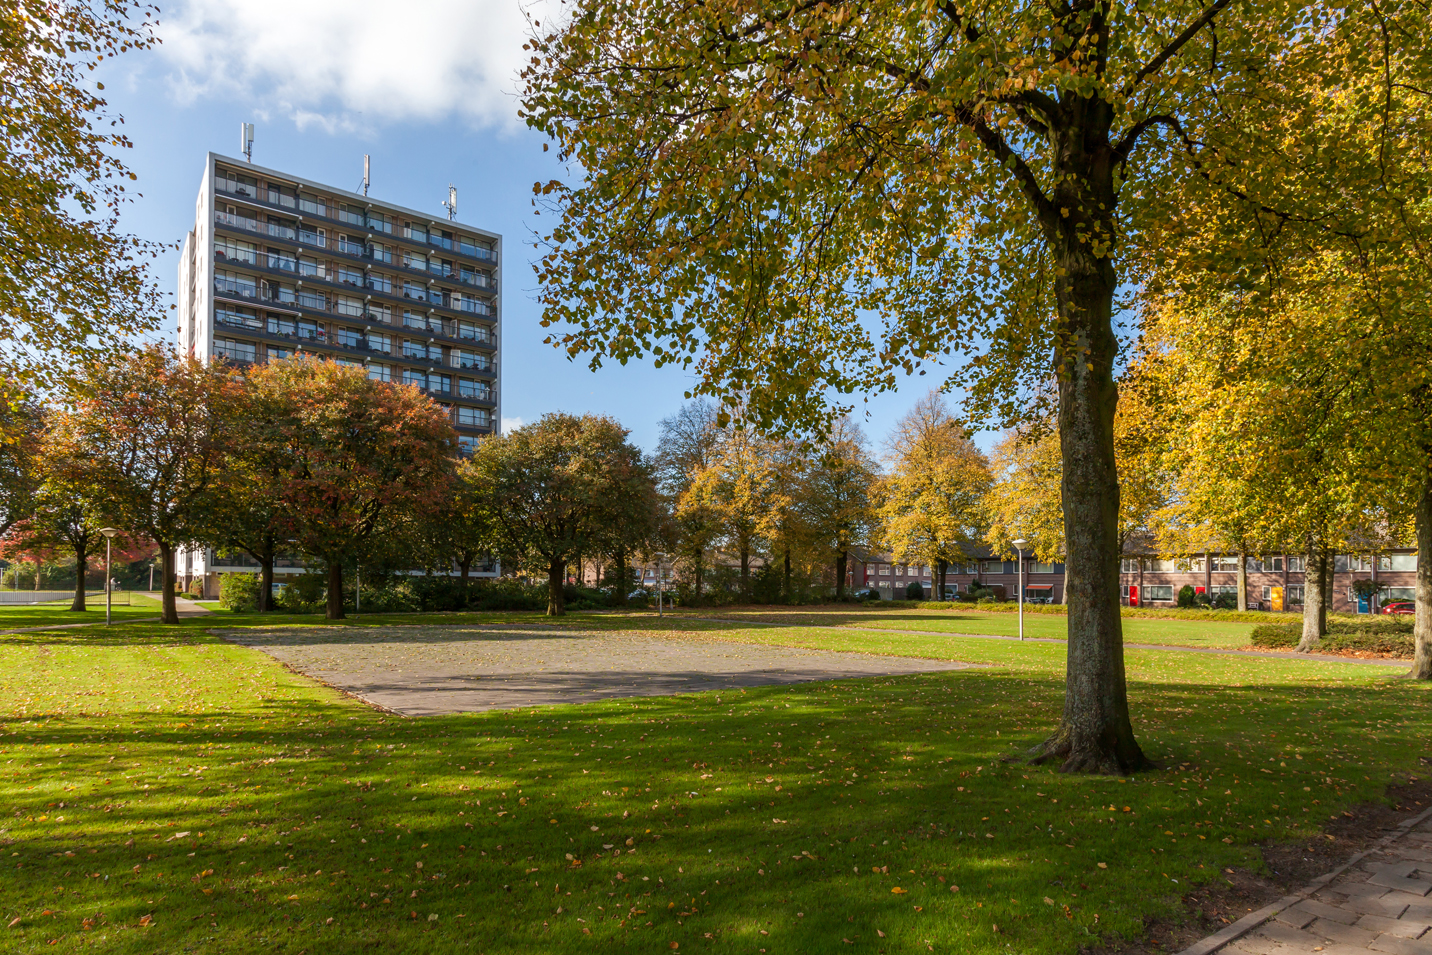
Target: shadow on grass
(703, 820)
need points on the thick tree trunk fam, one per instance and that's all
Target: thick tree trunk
(464, 568)
(786, 580)
(1095, 734)
(266, 584)
(1422, 622)
(169, 612)
(1315, 613)
(334, 609)
(842, 561)
(745, 571)
(556, 571)
(1242, 581)
(37, 573)
(943, 571)
(81, 569)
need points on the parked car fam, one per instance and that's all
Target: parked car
(866, 593)
(1401, 607)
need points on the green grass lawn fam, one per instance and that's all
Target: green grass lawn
(1187, 633)
(165, 791)
(14, 617)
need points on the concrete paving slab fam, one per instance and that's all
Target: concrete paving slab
(428, 671)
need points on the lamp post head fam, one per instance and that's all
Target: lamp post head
(1019, 542)
(109, 531)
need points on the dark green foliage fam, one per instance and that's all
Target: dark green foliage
(239, 592)
(913, 591)
(302, 593)
(1186, 596)
(1393, 637)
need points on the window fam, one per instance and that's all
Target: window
(422, 351)
(301, 328)
(278, 354)
(1298, 565)
(351, 245)
(468, 388)
(1398, 593)
(281, 260)
(416, 291)
(1038, 567)
(1274, 564)
(234, 283)
(1401, 562)
(1225, 564)
(474, 417)
(1162, 566)
(466, 443)
(461, 358)
(415, 231)
(226, 180)
(380, 372)
(1223, 589)
(307, 265)
(418, 379)
(235, 350)
(1158, 592)
(379, 222)
(313, 205)
(349, 276)
(235, 250)
(344, 305)
(1255, 565)
(381, 253)
(236, 317)
(380, 283)
(992, 566)
(473, 332)
(350, 214)
(348, 363)
(884, 570)
(1295, 594)
(378, 342)
(380, 313)
(440, 383)
(1129, 565)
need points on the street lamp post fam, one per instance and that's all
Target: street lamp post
(108, 533)
(1019, 549)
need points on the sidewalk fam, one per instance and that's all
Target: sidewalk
(1378, 901)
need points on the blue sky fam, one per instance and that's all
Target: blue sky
(430, 94)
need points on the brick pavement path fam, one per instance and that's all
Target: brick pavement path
(425, 671)
(1380, 901)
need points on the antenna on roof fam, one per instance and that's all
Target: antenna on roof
(246, 140)
(365, 174)
(451, 204)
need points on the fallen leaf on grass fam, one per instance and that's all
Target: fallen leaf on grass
(897, 891)
(146, 919)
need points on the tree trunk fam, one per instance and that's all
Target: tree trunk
(170, 611)
(1315, 614)
(1422, 622)
(37, 573)
(745, 571)
(555, 572)
(842, 561)
(942, 569)
(1242, 581)
(464, 567)
(786, 581)
(334, 610)
(1095, 734)
(619, 594)
(266, 584)
(81, 569)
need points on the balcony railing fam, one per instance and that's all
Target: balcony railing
(240, 289)
(253, 225)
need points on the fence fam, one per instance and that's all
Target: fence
(13, 597)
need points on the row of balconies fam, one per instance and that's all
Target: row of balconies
(368, 220)
(368, 252)
(265, 293)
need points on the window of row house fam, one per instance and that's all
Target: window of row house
(1399, 593)
(1039, 567)
(1129, 565)
(1297, 565)
(1158, 592)
(1400, 562)
(884, 570)
(1295, 594)
(1225, 564)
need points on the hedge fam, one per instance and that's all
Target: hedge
(1390, 638)
(1148, 613)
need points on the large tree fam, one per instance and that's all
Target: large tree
(742, 488)
(553, 487)
(838, 503)
(359, 458)
(932, 497)
(21, 428)
(754, 175)
(71, 284)
(146, 441)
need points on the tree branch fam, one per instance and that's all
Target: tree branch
(1170, 51)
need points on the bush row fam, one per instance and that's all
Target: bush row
(1389, 637)
(1147, 613)
(305, 593)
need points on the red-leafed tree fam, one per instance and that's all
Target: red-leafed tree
(144, 443)
(360, 461)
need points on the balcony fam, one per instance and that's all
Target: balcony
(235, 221)
(248, 290)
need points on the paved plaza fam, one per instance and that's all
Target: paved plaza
(427, 671)
(1380, 901)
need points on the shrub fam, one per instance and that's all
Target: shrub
(1391, 638)
(302, 593)
(1186, 595)
(239, 592)
(913, 591)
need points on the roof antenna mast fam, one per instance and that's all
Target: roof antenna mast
(451, 204)
(246, 140)
(365, 174)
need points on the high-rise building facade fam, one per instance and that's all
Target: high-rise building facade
(277, 265)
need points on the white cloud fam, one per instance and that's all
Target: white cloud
(344, 64)
(511, 424)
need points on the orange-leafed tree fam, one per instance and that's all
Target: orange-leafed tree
(361, 462)
(144, 445)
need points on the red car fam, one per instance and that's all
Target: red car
(1402, 607)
